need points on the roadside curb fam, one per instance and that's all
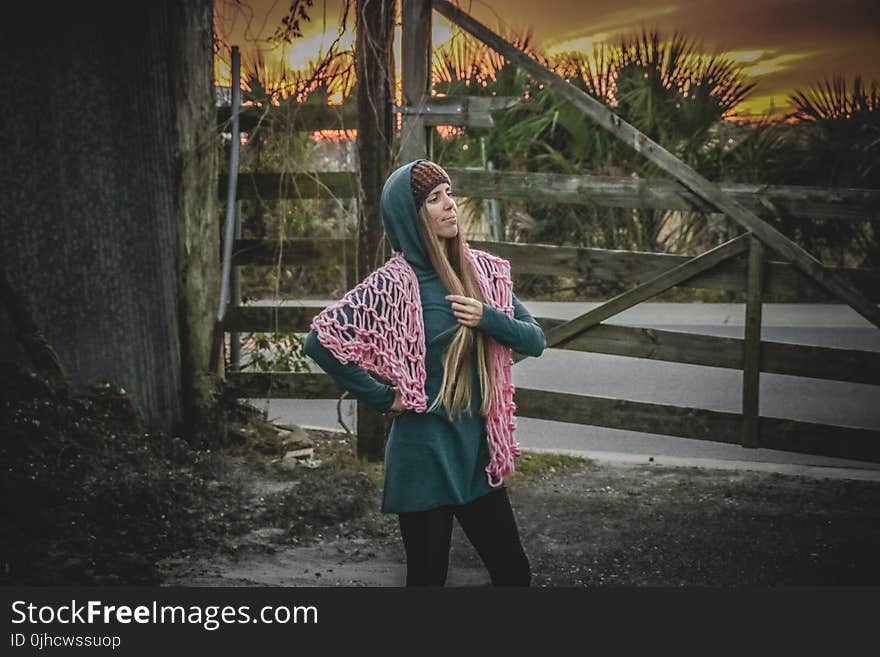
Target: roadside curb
(628, 459)
(625, 459)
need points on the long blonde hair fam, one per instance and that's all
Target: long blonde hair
(455, 272)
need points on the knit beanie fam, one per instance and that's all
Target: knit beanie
(425, 176)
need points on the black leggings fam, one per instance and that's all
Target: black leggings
(488, 523)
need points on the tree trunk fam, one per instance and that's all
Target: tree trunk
(107, 225)
(374, 67)
(198, 251)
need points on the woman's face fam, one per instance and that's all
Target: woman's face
(442, 211)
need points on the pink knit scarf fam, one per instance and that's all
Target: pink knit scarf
(386, 335)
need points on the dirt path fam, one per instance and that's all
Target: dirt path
(591, 524)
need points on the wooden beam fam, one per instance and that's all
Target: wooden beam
(784, 280)
(374, 65)
(605, 191)
(472, 111)
(694, 423)
(558, 336)
(415, 72)
(697, 424)
(752, 344)
(820, 439)
(281, 385)
(851, 365)
(271, 186)
(235, 297)
(294, 250)
(270, 319)
(308, 117)
(667, 420)
(702, 187)
(635, 267)
(631, 267)
(662, 194)
(590, 263)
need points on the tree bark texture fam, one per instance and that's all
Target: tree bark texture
(107, 223)
(198, 247)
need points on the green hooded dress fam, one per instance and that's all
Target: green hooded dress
(430, 459)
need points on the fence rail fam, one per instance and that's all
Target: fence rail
(630, 267)
(698, 424)
(438, 110)
(305, 116)
(653, 344)
(603, 191)
(273, 186)
(281, 385)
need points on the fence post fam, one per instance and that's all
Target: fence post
(752, 345)
(217, 363)
(415, 71)
(235, 299)
(375, 75)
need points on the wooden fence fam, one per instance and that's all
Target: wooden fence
(740, 265)
(607, 338)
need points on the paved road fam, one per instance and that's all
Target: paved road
(671, 383)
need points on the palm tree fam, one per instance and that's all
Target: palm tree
(668, 89)
(839, 132)
(835, 142)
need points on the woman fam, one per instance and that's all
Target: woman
(439, 321)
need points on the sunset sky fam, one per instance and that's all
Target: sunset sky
(783, 43)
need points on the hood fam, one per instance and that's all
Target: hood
(401, 220)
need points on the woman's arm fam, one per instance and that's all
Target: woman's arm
(351, 377)
(520, 332)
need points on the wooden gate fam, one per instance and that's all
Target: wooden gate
(758, 262)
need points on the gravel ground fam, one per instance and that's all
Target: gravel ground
(583, 524)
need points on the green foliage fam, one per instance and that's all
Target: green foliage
(831, 138)
(834, 141)
(532, 466)
(274, 352)
(836, 134)
(667, 89)
(686, 101)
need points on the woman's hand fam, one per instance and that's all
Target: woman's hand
(396, 406)
(467, 311)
